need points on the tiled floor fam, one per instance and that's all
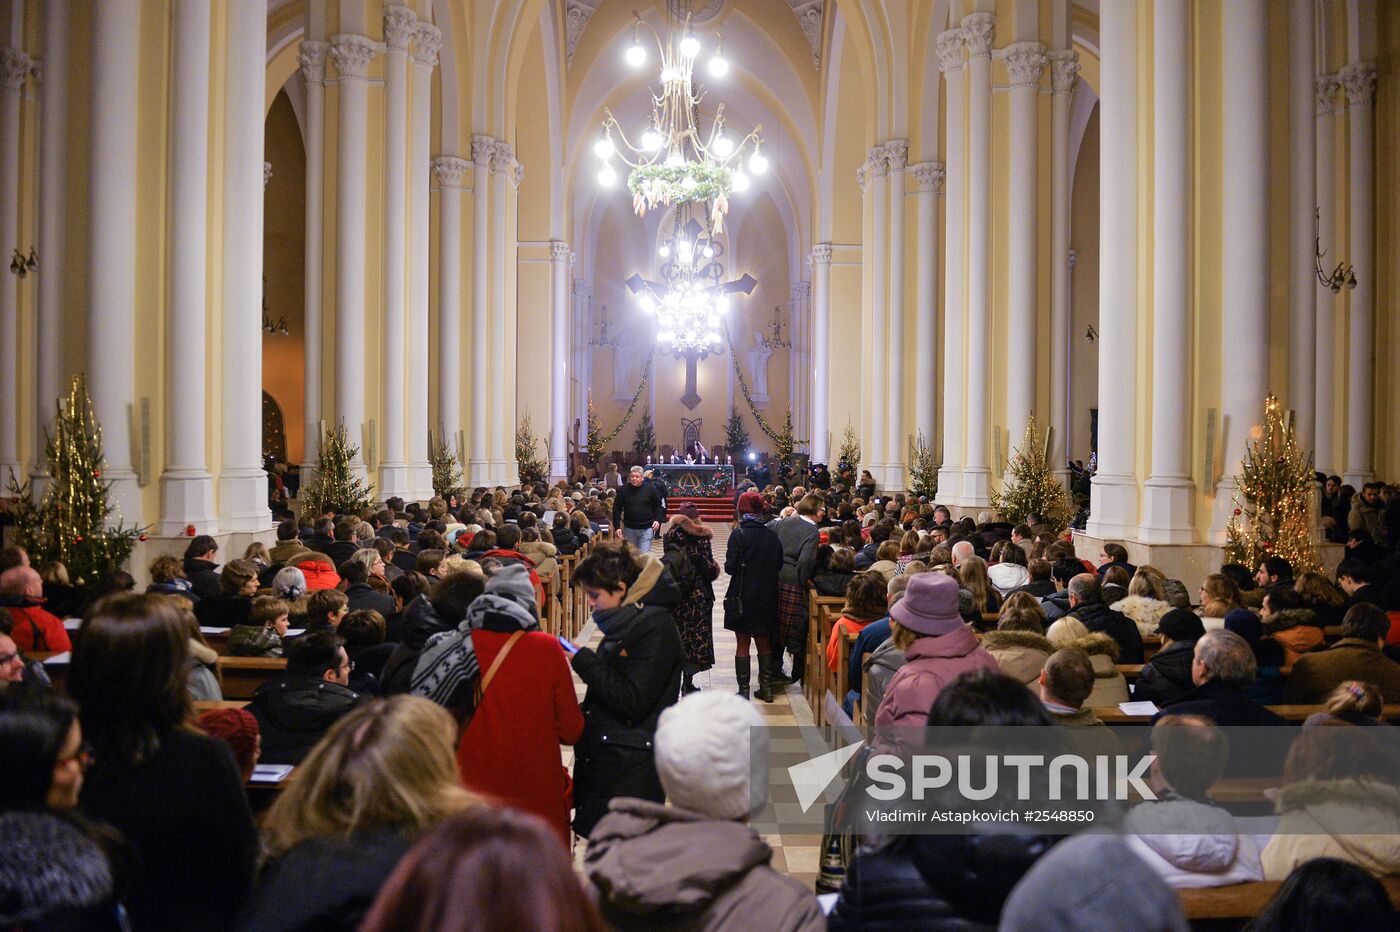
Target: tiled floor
(797, 855)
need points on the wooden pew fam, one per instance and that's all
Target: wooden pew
(243, 675)
(1132, 671)
(822, 612)
(1291, 713)
(1245, 900)
(206, 705)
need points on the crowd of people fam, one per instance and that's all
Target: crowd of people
(423, 710)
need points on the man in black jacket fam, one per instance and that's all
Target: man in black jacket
(865, 556)
(296, 709)
(1086, 604)
(638, 511)
(360, 593)
(200, 566)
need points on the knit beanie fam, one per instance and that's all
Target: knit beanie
(236, 726)
(707, 747)
(512, 581)
(1244, 623)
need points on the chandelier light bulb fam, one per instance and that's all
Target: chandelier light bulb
(607, 177)
(670, 74)
(683, 249)
(675, 160)
(690, 46)
(709, 252)
(741, 182)
(603, 148)
(636, 53)
(723, 146)
(719, 66)
(651, 140)
(648, 303)
(688, 182)
(665, 251)
(758, 164)
(722, 304)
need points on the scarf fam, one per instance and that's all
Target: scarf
(448, 662)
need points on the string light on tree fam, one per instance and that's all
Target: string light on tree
(1273, 501)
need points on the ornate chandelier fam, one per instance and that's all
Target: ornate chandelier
(674, 163)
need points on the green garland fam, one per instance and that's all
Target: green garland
(784, 438)
(652, 185)
(604, 442)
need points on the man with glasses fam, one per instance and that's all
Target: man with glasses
(294, 710)
(11, 662)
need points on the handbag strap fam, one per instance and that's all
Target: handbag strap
(496, 664)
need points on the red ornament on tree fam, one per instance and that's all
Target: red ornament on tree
(97, 474)
(78, 539)
(189, 530)
(1237, 512)
(141, 537)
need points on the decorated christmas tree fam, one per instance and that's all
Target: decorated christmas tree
(595, 436)
(850, 448)
(336, 488)
(644, 443)
(1273, 502)
(923, 471)
(1030, 488)
(447, 473)
(531, 467)
(736, 436)
(73, 523)
(785, 440)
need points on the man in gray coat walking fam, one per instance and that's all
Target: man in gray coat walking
(800, 537)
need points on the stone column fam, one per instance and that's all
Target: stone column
(929, 177)
(897, 155)
(448, 171)
(14, 67)
(242, 480)
(879, 385)
(114, 99)
(1064, 73)
(1359, 82)
(821, 352)
(559, 361)
(502, 421)
(1114, 508)
(1244, 299)
(427, 42)
(400, 23)
(312, 56)
(1325, 302)
(1168, 498)
(1024, 63)
(800, 359)
(53, 186)
(186, 486)
(479, 464)
(951, 45)
(351, 54)
(977, 477)
(1302, 185)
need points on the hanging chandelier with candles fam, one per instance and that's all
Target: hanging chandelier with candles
(674, 163)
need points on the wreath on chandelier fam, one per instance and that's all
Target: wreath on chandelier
(662, 184)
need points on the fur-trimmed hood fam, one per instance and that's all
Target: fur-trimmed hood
(690, 526)
(1006, 640)
(1290, 618)
(1095, 644)
(1145, 612)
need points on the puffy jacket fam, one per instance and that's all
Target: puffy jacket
(1097, 616)
(293, 712)
(1020, 654)
(931, 663)
(1297, 630)
(319, 571)
(655, 866)
(1055, 605)
(1327, 818)
(1191, 844)
(364, 596)
(1008, 576)
(542, 554)
(942, 882)
(35, 628)
(1166, 677)
(420, 622)
(1144, 612)
(287, 551)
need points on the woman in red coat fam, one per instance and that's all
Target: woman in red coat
(528, 708)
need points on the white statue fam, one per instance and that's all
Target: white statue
(758, 365)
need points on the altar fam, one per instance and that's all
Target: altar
(698, 480)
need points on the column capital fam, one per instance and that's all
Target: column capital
(950, 49)
(351, 54)
(14, 66)
(1325, 90)
(427, 43)
(1064, 70)
(821, 254)
(979, 29)
(863, 175)
(399, 25)
(1024, 62)
(483, 148)
(502, 155)
(558, 250)
(878, 161)
(448, 170)
(897, 154)
(311, 56)
(1359, 81)
(929, 176)
(517, 174)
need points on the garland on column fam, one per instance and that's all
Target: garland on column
(1273, 502)
(784, 439)
(70, 523)
(597, 442)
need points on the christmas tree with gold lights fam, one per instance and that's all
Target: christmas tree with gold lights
(1030, 487)
(1273, 502)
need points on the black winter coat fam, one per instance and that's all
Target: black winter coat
(340, 551)
(1167, 676)
(324, 883)
(944, 882)
(566, 541)
(1097, 616)
(754, 559)
(202, 577)
(634, 674)
(420, 622)
(293, 712)
(364, 596)
(223, 611)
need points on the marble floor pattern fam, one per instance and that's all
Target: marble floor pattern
(798, 856)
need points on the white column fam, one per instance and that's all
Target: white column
(1325, 301)
(800, 360)
(1024, 63)
(351, 54)
(1168, 498)
(427, 42)
(1359, 82)
(186, 486)
(978, 28)
(1302, 185)
(312, 57)
(1244, 298)
(502, 421)
(879, 385)
(399, 26)
(448, 172)
(950, 476)
(1064, 73)
(242, 480)
(53, 185)
(111, 254)
(929, 177)
(897, 154)
(1114, 506)
(479, 465)
(821, 352)
(559, 361)
(14, 67)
